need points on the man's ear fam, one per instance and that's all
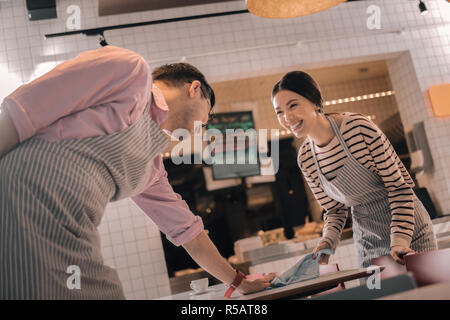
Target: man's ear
(195, 89)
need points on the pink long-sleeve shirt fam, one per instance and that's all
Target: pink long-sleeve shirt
(97, 93)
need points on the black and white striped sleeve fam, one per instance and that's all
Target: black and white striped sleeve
(396, 180)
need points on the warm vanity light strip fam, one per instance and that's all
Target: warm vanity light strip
(359, 98)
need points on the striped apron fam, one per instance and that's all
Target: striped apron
(363, 190)
(52, 199)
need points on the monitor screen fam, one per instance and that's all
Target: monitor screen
(236, 148)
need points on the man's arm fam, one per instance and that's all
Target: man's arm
(167, 209)
(203, 251)
(172, 216)
(8, 133)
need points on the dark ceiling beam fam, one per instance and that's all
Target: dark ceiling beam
(100, 30)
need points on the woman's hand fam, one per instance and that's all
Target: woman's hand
(249, 286)
(398, 252)
(323, 259)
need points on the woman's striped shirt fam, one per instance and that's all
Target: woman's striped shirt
(372, 149)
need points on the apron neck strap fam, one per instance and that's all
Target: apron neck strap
(338, 134)
(313, 151)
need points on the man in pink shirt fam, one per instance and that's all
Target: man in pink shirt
(103, 92)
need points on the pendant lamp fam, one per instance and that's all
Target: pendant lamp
(288, 8)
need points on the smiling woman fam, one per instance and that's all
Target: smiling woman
(349, 163)
(298, 104)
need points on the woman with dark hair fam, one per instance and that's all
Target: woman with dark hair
(348, 162)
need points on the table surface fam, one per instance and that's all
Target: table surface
(304, 287)
(439, 291)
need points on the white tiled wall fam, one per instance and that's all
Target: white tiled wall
(412, 104)
(131, 244)
(241, 46)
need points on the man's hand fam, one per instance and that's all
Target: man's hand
(249, 286)
(203, 251)
(398, 252)
(323, 259)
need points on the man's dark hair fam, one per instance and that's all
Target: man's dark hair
(177, 74)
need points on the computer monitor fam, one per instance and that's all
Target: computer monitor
(238, 155)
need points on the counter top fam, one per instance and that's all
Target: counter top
(306, 287)
(215, 292)
(289, 248)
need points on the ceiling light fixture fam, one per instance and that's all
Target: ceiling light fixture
(99, 33)
(288, 8)
(359, 98)
(103, 40)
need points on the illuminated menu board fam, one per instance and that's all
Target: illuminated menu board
(233, 139)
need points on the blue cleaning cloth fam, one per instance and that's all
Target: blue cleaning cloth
(305, 269)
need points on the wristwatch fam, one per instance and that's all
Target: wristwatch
(237, 281)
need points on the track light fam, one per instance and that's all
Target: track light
(97, 32)
(423, 8)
